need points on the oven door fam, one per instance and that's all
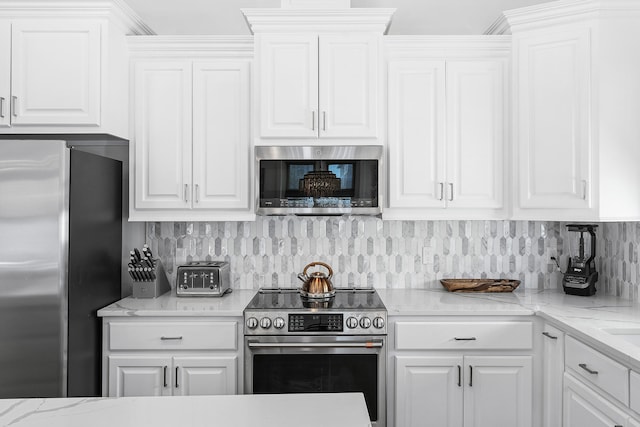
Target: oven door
(319, 364)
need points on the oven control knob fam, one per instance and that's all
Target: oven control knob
(252, 323)
(278, 323)
(352, 323)
(365, 323)
(378, 323)
(265, 323)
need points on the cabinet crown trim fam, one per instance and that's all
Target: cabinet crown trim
(375, 20)
(449, 46)
(189, 46)
(561, 12)
(83, 9)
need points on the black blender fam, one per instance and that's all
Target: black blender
(581, 275)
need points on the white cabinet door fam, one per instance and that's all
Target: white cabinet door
(475, 133)
(348, 85)
(56, 72)
(221, 135)
(139, 376)
(288, 85)
(198, 376)
(552, 371)
(583, 407)
(162, 137)
(429, 388)
(416, 134)
(632, 422)
(552, 119)
(5, 73)
(498, 391)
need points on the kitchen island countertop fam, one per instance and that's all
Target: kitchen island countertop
(266, 410)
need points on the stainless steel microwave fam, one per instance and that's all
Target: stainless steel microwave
(319, 180)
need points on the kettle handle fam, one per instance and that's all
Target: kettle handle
(304, 272)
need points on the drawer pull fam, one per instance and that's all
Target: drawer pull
(165, 376)
(548, 335)
(171, 338)
(465, 339)
(586, 368)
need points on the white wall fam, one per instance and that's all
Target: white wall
(219, 17)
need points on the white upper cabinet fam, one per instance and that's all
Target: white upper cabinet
(576, 104)
(288, 85)
(447, 123)
(191, 111)
(318, 74)
(68, 93)
(61, 74)
(318, 86)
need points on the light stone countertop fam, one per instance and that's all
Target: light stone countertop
(265, 410)
(584, 318)
(168, 304)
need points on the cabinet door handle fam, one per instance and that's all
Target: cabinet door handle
(171, 338)
(548, 335)
(324, 120)
(177, 367)
(586, 368)
(464, 339)
(470, 376)
(197, 193)
(459, 376)
(14, 106)
(313, 119)
(584, 189)
(451, 192)
(186, 193)
(1, 107)
(441, 184)
(165, 376)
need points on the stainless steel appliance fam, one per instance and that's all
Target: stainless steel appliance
(203, 279)
(581, 275)
(319, 180)
(299, 345)
(60, 261)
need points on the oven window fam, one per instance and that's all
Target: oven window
(318, 373)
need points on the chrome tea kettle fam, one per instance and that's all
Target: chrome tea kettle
(317, 285)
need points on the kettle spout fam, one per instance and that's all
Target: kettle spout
(303, 277)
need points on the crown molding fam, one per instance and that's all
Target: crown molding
(499, 27)
(191, 46)
(566, 11)
(374, 20)
(117, 10)
(447, 46)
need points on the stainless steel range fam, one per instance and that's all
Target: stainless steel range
(301, 345)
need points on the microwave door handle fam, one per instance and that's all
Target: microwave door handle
(359, 344)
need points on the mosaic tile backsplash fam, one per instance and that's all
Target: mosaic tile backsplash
(370, 252)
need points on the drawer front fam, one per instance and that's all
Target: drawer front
(173, 336)
(598, 369)
(634, 391)
(464, 335)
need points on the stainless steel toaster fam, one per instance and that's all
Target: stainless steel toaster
(203, 279)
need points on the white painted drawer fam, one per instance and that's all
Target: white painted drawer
(634, 391)
(173, 336)
(463, 335)
(598, 369)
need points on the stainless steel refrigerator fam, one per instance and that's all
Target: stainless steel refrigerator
(60, 259)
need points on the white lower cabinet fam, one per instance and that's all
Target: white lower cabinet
(156, 357)
(462, 371)
(552, 370)
(583, 407)
(470, 391)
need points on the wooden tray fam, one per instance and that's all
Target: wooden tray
(480, 285)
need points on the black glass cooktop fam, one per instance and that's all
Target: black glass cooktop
(290, 299)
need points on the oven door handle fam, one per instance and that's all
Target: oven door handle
(359, 344)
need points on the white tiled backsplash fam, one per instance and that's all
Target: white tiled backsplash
(367, 251)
